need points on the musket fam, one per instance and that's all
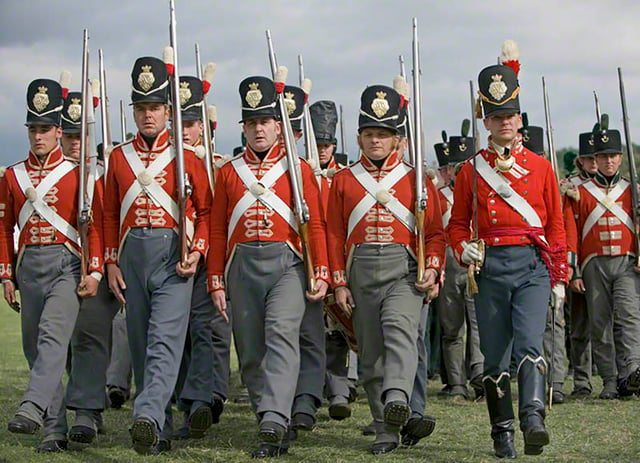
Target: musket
(279, 74)
(310, 147)
(206, 130)
(123, 122)
(474, 267)
(212, 114)
(84, 206)
(107, 143)
(633, 173)
(412, 154)
(551, 145)
(342, 140)
(182, 186)
(597, 101)
(421, 188)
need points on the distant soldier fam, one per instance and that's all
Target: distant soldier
(519, 220)
(455, 307)
(40, 195)
(142, 252)
(372, 249)
(204, 380)
(255, 259)
(602, 245)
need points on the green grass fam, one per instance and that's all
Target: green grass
(581, 431)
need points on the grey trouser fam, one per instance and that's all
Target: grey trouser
(418, 399)
(266, 284)
(157, 317)
(554, 346)
(385, 320)
(119, 371)
(613, 303)
(511, 306)
(48, 277)
(336, 380)
(580, 342)
(454, 308)
(313, 360)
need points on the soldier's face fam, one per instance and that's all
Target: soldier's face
(71, 145)
(503, 127)
(589, 164)
(150, 118)
(377, 143)
(608, 164)
(191, 131)
(261, 132)
(325, 151)
(43, 138)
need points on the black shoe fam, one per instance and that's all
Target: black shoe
(182, 432)
(581, 393)
(633, 381)
(339, 408)
(416, 429)
(445, 392)
(52, 446)
(82, 434)
(117, 397)
(557, 397)
(144, 436)
(369, 430)
(536, 435)
(163, 445)
(217, 407)
(269, 451)
(271, 432)
(609, 391)
(380, 448)
(292, 434)
(200, 421)
(303, 422)
(22, 425)
(478, 386)
(623, 389)
(503, 445)
(396, 414)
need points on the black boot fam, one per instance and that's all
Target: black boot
(498, 395)
(531, 399)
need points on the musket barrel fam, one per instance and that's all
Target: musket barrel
(311, 149)
(551, 145)
(123, 122)
(342, 138)
(83, 212)
(107, 144)
(412, 154)
(206, 131)
(597, 102)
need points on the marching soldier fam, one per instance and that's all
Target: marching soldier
(324, 117)
(308, 396)
(89, 349)
(455, 307)
(40, 195)
(142, 255)
(254, 236)
(601, 244)
(580, 337)
(203, 383)
(371, 226)
(519, 220)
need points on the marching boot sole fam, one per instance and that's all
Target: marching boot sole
(82, 434)
(416, 429)
(396, 414)
(339, 411)
(144, 436)
(200, 422)
(535, 440)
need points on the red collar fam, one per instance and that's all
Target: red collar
(52, 159)
(389, 163)
(160, 144)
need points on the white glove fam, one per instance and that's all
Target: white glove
(471, 253)
(557, 296)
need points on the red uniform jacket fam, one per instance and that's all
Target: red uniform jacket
(62, 198)
(144, 212)
(498, 223)
(259, 223)
(379, 225)
(608, 235)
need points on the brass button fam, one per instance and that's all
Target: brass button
(493, 212)
(496, 240)
(524, 161)
(494, 220)
(492, 201)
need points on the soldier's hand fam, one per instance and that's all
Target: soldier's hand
(320, 291)
(116, 282)
(88, 287)
(191, 266)
(344, 299)
(558, 294)
(471, 253)
(10, 295)
(428, 284)
(219, 300)
(636, 269)
(577, 285)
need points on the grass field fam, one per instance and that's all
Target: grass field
(581, 431)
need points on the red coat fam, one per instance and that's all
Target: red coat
(144, 213)
(62, 198)
(327, 179)
(607, 237)
(379, 225)
(498, 223)
(259, 223)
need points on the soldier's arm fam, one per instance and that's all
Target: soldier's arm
(459, 228)
(317, 225)
(201, 199)
(218, 230)
(337, 222)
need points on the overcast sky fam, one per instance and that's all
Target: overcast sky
(346, 45)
